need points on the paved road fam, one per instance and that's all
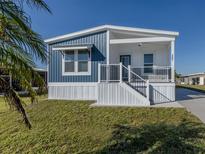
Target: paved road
(194, 101)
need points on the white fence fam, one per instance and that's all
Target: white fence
(154, 73)
(108, 73)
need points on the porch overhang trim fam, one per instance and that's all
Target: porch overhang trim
(142, 40)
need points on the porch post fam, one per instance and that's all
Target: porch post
(108, 47)
(120, 72)
(147, 89)
(129, 74)
(99, 73)
(172, 61)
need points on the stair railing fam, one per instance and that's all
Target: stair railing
(121, 73)
(137, 82)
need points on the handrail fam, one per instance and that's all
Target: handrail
(109, 64)
(137, 82)
(119, 73)
(138, 76)
(134, 73)
(154, 66)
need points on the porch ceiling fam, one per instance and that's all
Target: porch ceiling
(141, 40)
(116, 34)
(143, 44)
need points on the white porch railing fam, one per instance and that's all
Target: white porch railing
(120, 73)
(135, 81)
(154, 73)
(109, 73)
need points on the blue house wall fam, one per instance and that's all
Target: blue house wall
(98, 55)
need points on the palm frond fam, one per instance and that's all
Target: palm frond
(39, 4)
(13, 99)
(17, 29)
(19, 44)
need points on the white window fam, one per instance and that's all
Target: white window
(69, 61)
(76, 62)
(148, 63)
(83, 58)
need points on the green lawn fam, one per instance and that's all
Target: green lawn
(75, 127)
(200, 88)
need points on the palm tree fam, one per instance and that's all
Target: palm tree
(19, 45)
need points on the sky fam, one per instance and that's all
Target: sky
(185, 16)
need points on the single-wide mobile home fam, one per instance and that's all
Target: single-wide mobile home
(194, 79)
(113, 65)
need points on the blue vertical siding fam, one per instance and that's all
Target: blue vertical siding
(98, 55)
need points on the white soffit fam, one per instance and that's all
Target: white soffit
(141, 40)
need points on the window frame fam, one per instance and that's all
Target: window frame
(151, 67)
(76, 72)
(89, 56)
(64, 61)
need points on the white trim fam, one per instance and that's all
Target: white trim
(107, 27)
(147, 90)
(76, 73)
(75, 34)
(143, 30)
(141, 40)
(121, 72)
(173, 61)
(99, 72)
(108, 47)
(72, 83)
(70, 48)
(129, 73)
(48, 62)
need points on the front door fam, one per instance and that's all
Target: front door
(125, 60)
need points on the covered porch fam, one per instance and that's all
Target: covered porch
(150, 57)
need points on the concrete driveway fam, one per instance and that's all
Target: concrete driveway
(193, 101)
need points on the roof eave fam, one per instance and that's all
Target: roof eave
(75, 34)
(143, 30)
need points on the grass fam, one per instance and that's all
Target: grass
(75, 127)
(200, 88)
(4, 106)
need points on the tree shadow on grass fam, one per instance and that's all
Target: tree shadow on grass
(157, 138)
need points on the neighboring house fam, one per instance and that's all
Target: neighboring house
(113, 65)
(43, 73)
(15, 84)
(194, 79)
